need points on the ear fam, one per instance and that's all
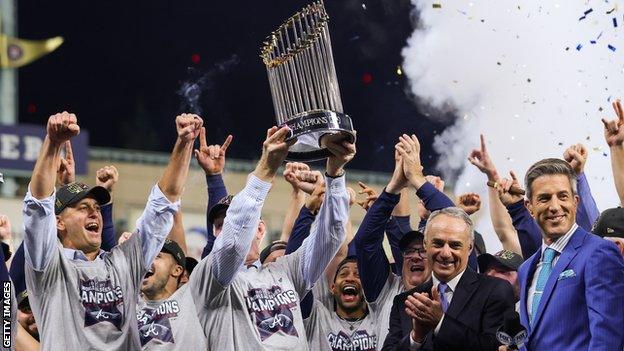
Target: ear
(261, 230)
(577, 199)
(332, 288)
(529, 207)
(177, 270)
(60, 225)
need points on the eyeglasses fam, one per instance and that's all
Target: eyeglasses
(414, 252)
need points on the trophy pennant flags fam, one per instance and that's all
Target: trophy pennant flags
(19, 52)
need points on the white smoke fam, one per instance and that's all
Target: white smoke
(513, 72)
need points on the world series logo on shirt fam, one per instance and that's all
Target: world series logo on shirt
(271, 311)
(154, 323)
(101, 301)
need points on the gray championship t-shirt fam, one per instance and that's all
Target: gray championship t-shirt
(382, 307)
(259, 310)
(78, 304)
(328, 332)
(170, 324)
(89, 305)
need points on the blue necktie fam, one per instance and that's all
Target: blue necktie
(442, 289)
(542, 278)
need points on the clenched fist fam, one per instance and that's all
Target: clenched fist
(62, 127)
(188, 126)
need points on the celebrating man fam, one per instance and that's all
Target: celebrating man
(83, 297)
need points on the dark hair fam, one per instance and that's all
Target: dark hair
(549, 166)
(347, 259)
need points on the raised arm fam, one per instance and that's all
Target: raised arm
(307, 213)
(329, 232)
(614, 136)
(157, 220)
(373, 264)
(529, 233)
(587, 211)
(39, 218)
(501, 221)
(297, 197)
(398, 225)
(107, 177)
(243, 214)
(211, 158)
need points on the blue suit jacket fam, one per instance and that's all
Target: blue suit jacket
(582, 307)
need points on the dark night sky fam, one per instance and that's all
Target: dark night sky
(123, 62)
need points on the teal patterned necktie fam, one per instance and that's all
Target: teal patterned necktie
(542, 278)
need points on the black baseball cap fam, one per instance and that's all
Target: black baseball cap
(274, 246)
(219, 207)
(171, 247)
(410, 236)
(610, 223)
(504, 258)
(71, 193)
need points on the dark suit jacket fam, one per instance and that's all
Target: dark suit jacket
(470, 323)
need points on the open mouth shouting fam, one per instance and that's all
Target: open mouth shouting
(92, 227)
(350, 293)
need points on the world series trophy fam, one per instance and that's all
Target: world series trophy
(300, 66)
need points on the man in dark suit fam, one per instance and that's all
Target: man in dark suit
(457, 309)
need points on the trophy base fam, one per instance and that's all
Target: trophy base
(309, 127)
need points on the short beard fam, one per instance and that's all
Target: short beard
(156, 288)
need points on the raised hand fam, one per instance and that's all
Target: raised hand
(123, 237)
(398, 180)
(309, 180)
(469, 202)
(211, 158)
(371, 196)
(576, 156)
(506, 197)
(315, 200)
(342, 151)
(437, 182)
(62, 127)
(352, 196)
(408, 148)
(5, 228)
(274, 151)
(188, 126)
(107, 177)
(290, 175)
(66, 172)
(613, 132)
(480, 158)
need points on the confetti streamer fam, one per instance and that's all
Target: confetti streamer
(614, 22)
(611, 47)
(578, 47)
(437, 6)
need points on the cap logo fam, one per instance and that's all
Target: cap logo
(76, 188)
(610, 231)
(505, 254)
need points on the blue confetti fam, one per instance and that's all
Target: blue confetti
(614, 22)
(578, 47)
(588, 11)
(592, 41)
(604, 154)
(599, 35)
(611, 47)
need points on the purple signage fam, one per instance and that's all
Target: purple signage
(20, 145)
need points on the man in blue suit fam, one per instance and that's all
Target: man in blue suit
(572, 290)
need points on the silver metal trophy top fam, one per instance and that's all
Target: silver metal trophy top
(304, 87)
